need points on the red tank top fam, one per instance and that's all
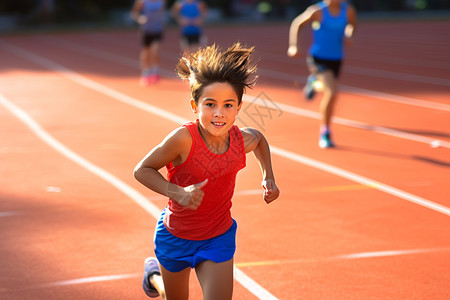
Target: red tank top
(213, 216)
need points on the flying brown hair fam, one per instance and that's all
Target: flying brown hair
(212, 64)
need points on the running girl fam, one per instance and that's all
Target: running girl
(333, 23)
(150, 14)
(196, 229)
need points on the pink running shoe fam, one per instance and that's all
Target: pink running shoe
(144, 81)
(154, 78)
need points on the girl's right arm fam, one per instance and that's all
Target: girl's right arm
(175, 12)
(136, 12)
(310, 14)
(174, 148)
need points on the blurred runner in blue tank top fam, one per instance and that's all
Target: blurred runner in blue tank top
(150, 14)
(333, 23)
(190, 15)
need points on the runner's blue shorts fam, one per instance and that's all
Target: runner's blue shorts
(176, 254)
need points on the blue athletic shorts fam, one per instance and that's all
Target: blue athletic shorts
(176, 254)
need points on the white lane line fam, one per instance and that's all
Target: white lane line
(133, 194)
(59, 147)
(90, 83)
(395, 98)
(355, 58)
(247, 280)
(361, 255)
(361, 179)
(350, 123)
(269, 73)
(138, 198)
(388, 253)
(364, 92)
(122, 186)
(412, 78)
(90, 280)
(278, 151)
(249, 192)
(368, 72)
(9, 213)
(288, 108)
(252, 285)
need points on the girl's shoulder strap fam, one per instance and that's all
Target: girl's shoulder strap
(344, 6)
(323, 7)
(321, 4)
(238, 138)
(193, 130)
(236, 130)
(191, 126)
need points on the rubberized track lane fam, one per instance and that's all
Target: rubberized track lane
(67, 234)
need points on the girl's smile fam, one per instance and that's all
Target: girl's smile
(218, 125)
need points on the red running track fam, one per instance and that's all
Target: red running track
(366, 220)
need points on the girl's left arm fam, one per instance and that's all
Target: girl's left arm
(203, 12)
(136, 12)
(256, 142)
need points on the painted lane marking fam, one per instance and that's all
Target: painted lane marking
(267, 263)
(9, 213)
(59, 147)
(252, 285)
(288, 108)
(134, 102)
(406, 77)
(412, 78)
(396, 60)
(90, 280)
(361, 255)
(90, 83)
(133, 194)
(249, 192)
(275, 150)
(366, 93)
(249, 281)
(361, 179)
(122, 186)
(342, 188)
(350, 123)
(389, 253)
(269, 73)
(292, 109)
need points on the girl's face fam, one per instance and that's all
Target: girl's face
(217, 108)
